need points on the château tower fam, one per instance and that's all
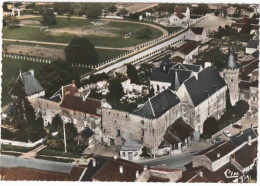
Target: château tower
(231, 75)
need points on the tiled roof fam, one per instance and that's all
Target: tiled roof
(177, 59)
(246, 155)
(192, 176)
(158, 105)
(209, 81)
(157, 179)
(70, 89)
(179, 15)
(76, 173)
(248, 20)
(188, 47)
(31, 84)
(178, 132)
(255, 54)
(221, 150)
(20, 173)
(240, 138)
(237, 25)
(76, 103)
(249, 68)
(197, 30)
(227, 169)
(243, 85)
(181, 9)
(110, 171)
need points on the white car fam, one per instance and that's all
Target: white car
(227, 133)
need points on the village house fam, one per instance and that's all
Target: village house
(197, 34)
(32, 87)
(116, 169)
(131, 150)
(227, 158)
(252, 46)
(180, 16)
(188, 51)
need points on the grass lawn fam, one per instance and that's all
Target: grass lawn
(15, 148)
(54, 159)
(11, 153)
(52, 152)
(30, 33)
(11, 69)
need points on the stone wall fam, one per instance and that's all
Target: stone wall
(201, 160)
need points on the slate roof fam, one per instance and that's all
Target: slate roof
(110, 171)
(188, 47)
(190, 67)
(253, 43)
(158, 105)
(243, 85)
(178, 132)
(255, 54)
(231, 61)
(238, 139)
(91, 171)
(209, 81)
(131, 145)
(76, 103)
(197, 30)
(228, 167)
(181, 9)
(249, 68)
(246, 155)
(31, 84)
(86, 133)
(192, 176)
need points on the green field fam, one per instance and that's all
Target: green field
(32, 33)
(11, 69)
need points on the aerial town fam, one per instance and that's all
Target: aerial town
(129, 92)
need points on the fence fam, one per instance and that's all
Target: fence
(21, 144)
(27, 58)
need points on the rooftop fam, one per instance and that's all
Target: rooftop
(179, 15)
(222, 172)
(180, 9)
(253, 43)
(197, 30)
(131, 145)
(188, 47)
(158, 104)
(231, 62)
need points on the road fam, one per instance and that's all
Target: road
(12, 161)
(31, 154)
(172, 162)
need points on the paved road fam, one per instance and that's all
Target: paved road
(12, 161)
(172, 162)
(64, 44)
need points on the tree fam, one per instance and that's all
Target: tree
(144, 33)
(63, 8)
(166, 7)
(246, 29)
(70, 131)
(36, 129)
(201, 9)
(56, 123)
(123, 12)
(81, 51)
(132, 73)
(210, 126)
(112, 8)
(115, 88)
(53, 76)
(151, 92)
(13, 22)
(241, 108)
(49, 18)
(93, 10)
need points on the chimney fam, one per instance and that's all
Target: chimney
(249, 140)
(145, 167)
(32, 71)
(73, 83)
(137, 174)
(200, 173)
(252, 126)
(115, 157)
(121, 169)
(218, 155)
(94, 163)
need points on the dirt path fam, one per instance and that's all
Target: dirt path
(31, 154)
(64, 44)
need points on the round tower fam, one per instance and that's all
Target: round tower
(231, 75)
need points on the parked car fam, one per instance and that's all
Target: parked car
(217, 140)
(227, 133)
(237, 126)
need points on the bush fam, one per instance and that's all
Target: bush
(145, 153)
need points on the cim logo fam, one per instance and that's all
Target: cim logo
(231, 174)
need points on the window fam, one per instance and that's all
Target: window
(142, 132)
(142, 122)
(123, 153)
(118, 132)
(75, 121)
(44, 112)
(142, 139)
(231, 80)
